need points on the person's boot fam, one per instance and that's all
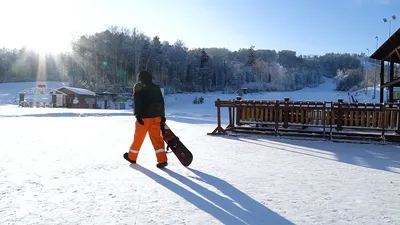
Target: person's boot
(128, 159)
(162, 165)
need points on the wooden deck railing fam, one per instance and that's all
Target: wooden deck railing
(327, 118)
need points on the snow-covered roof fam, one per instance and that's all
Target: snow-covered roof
(80, 91)
(41, 91)
(106, 93)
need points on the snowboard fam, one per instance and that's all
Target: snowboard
(177, 147)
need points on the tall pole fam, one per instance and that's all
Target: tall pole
(390, 23)
(376, 69)
(366, 74)
(390, 31)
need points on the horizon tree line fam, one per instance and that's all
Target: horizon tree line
(109, 61)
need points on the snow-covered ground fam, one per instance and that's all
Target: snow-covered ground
(65, 166)
(324, 92)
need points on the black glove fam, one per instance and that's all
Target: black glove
(140, 121)
(162, 120)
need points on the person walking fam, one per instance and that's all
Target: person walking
(149, 109)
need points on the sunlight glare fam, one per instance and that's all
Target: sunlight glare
(45, 45)
(42, 25)
(41, 72)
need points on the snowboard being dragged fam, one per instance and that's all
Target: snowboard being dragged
(177, 147)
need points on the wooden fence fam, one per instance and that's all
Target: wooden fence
(325, 119)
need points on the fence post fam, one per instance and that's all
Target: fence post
(398, 118)
(286, 113)
(253, 113)
(383, 121)
(324, 115)
(276, 114)
(230, 109)
(339, 119)
(238, 110)
(219, 129)
(233, 114)
(331, 119)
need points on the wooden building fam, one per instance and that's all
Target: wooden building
(106, 100)
(79, 97)
(41, 96)
(388, 52)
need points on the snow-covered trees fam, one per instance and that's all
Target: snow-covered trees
(349, 78)
(112, 58)
(27, 65)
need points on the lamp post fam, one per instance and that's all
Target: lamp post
(390, 23)
(376, 69)
(390, 29)
(366, 74)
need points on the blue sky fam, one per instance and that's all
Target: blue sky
(305, 26)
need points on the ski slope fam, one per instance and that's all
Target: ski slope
(65, 166)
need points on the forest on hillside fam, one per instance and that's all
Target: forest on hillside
(110, 59)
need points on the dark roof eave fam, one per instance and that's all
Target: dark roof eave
(388, 48)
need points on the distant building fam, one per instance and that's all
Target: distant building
(106, 100)
(109, 100)
(41, 96)
(79, 97)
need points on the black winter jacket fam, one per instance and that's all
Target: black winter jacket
(148, 100)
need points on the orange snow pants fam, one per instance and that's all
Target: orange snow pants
(151, 125)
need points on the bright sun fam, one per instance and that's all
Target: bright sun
(45, 43)
(44, 26)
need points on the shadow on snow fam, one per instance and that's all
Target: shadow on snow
(378, 157)
(222, 208)
(190, 120)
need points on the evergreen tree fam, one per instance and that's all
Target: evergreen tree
(110, 59)
(203, 69)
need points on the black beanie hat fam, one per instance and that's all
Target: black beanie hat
(145, 77)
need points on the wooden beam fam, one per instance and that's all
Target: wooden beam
(393, 83)
(391, 78)
(393, 51)
(389, 57)
(397, 52)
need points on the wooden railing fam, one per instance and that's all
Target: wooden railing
(327, 118)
